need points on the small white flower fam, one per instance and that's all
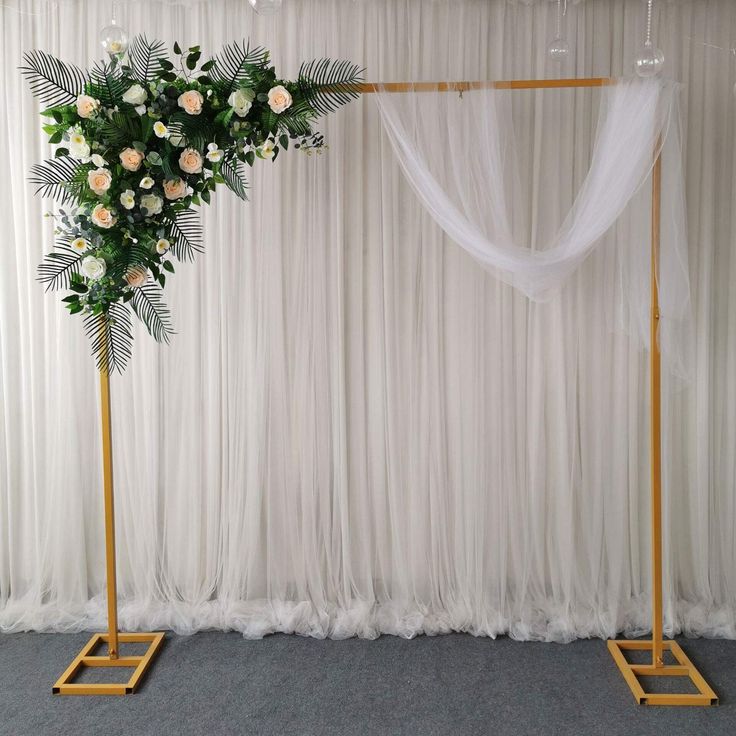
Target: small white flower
(127, 199)
(78, 147)
(141, 110)
(146, 182)
(241, 101)
(93, 268)
(135, 95)
(98, 161)
(79, 245)
(162, 246)
(266, 150)
(214, 154)
(152, 203)
(160, 129)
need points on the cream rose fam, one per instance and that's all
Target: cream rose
(190, 161)
(146, 182)
(127, 199)
(79, 245)
(87, 106)
(175, 188)
(135, 95)
(241, 101)
(131, 159)
(279, 99)
(103, 217)
(162, 246)
(93, 268)
(152, 203)
(136, 276)
(99, 181)
(191, 101)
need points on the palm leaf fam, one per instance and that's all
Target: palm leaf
(129, 256)
(51, 80)
(57, 267)
(111, 337)
(106, 83)
(235, 65)
(232, 173)
(185, 233)
(144, 57)
(60, 178)
(327, 84)
(120, 129)
(148, 304)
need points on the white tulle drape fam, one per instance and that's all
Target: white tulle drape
(459, 154)
(357, 429)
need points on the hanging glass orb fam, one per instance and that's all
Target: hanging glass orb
(649, 61)
(558, 50)
(266, 7)
(114, 39)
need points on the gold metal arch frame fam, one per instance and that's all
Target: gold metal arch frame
(631, 671)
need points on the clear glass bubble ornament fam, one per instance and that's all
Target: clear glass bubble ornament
(649, 60)
(558, 50)
(114, 39)
(266, 7)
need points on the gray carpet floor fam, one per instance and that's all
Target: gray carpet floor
(217, 684)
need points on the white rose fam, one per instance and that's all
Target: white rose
(152, 203)
(162, 246)
(93, 268)
(141, 110)
(98, 161)
(214, 154)
(146, 182)
(279, 99)
(79, 245)
(241, 101)
(135, 95)
(266, 150)
(87, 106)
(160, 129)
(127, 199)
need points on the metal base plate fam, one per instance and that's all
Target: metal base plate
(65, 686)
(683, 668)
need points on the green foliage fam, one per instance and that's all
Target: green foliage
(327, 84)
(107, 83)
(53, 81)
(145, 57)
(237, 65)
(185, 232)
(111, 337)
(61, 178)
(233, 174)
(57, 268)
(148, 304)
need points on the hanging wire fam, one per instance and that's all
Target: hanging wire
(650, 5)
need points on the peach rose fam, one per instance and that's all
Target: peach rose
(175, 188)
(87, 106)
(103, 217)
(279, 98)
(190, 161)
(136, 276)
(131, 159)
(99, 181)
(191, 101)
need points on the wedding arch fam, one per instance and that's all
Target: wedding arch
(637, 139)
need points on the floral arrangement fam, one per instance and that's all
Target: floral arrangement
(142, 141)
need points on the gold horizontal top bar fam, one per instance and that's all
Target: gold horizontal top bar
(370, 87)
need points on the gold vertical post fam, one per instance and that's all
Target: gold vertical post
(112, 595)
(655, 405)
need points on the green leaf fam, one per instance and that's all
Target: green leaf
(53, 81)
(111, 337)
(168, 266)
(208, 65)
(237, 64)
(184, 231)
(250, 157)
(56, 137)
(177, 48)
(232, 173)
(165, 64)
(61, 178)
(327, 84)
(57, 269)
(150, 309)
(79, 288)
(145, 56)
(284, 141)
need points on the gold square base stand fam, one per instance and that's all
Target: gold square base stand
(683, 668)
(65, 686)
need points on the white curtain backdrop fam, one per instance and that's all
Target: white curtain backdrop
(357, 429)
